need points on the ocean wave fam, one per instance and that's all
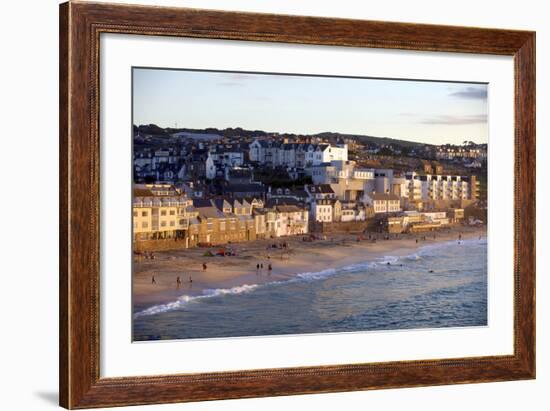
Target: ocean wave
(314, 275)
(388, 260)
(245, 288)
(186, 299)
(380, 263)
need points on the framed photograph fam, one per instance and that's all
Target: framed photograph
(259, 205)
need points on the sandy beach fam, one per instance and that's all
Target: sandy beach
(337, 250)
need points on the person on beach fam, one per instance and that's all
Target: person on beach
(153, 281)
(269, 268)
(261, 266)
(178, 282)
(190, 279)
(204, 267)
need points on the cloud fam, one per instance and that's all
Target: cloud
(456, 120)
(474, 93)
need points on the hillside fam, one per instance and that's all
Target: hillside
(235, 132)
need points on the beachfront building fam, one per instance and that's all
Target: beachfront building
(456, 215)
(348, 215)
(216, 227)
(160, 216)
(383, 202)
(322, 210)
(209, 222)
(439, 187)
(439, 217)
(414, 221)
(260, 222)
(353, 211)
(290, 220)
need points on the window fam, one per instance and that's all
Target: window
(172, 212)
(135, 214)
(144, 213)
(163, 212)
(163, 223)
(172, 223)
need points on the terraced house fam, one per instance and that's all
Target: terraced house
(160, 213)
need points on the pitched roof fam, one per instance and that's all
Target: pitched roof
(221, 203)
(200, 202)
(143, 192)
(210, 212)
(384, 196)
(322, 188)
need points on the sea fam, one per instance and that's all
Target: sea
(439, 285)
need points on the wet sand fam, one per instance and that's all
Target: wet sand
(337, 250)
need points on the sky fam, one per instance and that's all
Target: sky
(422, 111)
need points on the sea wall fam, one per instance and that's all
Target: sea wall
(341, 227)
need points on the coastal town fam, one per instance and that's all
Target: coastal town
(271, 204)
(211, 188)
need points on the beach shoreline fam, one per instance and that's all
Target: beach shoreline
(224, 273)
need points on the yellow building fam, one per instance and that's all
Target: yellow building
(160, 216)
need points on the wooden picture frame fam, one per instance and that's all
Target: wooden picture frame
(80, 27)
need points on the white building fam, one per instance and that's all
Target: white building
(295, 155)
(383, 180)
(438, 187)
(347, 181)
(228, 156)
(383, 202)
(290, 220)
(321, 211)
